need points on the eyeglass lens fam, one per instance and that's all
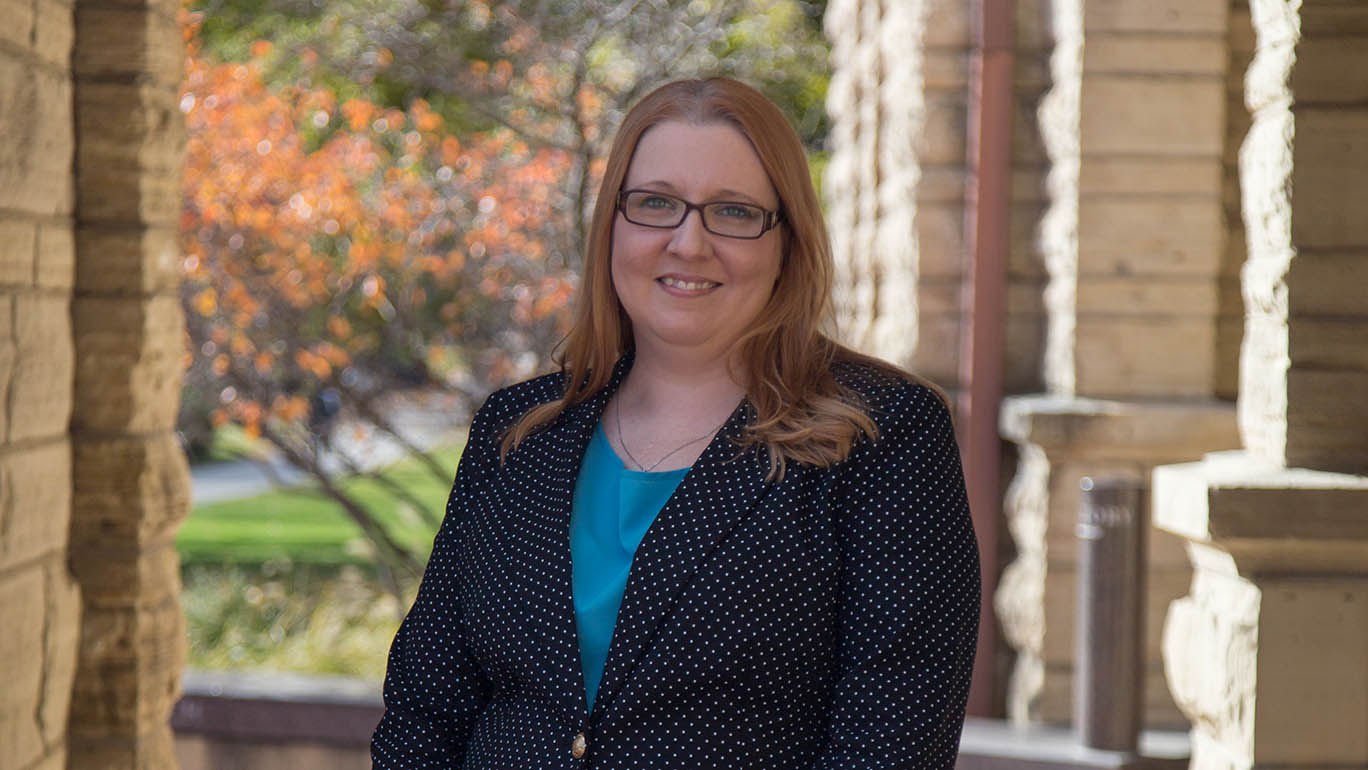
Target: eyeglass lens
(738, 220)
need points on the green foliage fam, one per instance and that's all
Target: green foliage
(230, 442)
(284, 581)
(778, 45)
(285, 617)
(392, 52)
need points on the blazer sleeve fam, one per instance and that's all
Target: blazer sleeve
(909, 593)
(433, 687)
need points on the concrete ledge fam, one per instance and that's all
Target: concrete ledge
(1266, 516)
(264, 707)
(1149, 431)
(988, 744)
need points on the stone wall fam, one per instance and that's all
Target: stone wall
(873, 180)
(1305, 168)
(1026, 272)
(1230, 303)
(1122, 302)
(92, 480)
(895, 186)
(38, 598)
(1133, 242)
(130, 482)
(1266, 654)
(1134, 126)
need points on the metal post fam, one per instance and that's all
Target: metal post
(1112, 529)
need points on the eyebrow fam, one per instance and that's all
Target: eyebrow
(723, 195)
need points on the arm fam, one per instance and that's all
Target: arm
(433, 688)
(909, 594)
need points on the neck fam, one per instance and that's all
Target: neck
(672, 384)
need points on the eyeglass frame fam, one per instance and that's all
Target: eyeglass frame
(772, 218)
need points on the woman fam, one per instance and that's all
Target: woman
(716, 539)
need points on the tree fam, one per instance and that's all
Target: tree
(337, 252)
(560, 73)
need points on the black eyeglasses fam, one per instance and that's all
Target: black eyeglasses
(731, 219)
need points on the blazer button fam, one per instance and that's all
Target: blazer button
(578, 746)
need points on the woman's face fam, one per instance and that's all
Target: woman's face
(685, 287)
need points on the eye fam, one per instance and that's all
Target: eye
(736, 211)
(657, 202)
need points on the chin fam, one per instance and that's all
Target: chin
(684, 337)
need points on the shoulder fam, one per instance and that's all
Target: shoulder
(505, 405)
(889, 395)
(913, 453)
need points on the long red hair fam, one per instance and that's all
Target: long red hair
(802, 412)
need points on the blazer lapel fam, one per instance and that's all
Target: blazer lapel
(724, 484)
(541, 476)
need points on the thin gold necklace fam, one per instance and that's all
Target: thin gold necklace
(617, 414)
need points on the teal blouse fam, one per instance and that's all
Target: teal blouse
(612, 509)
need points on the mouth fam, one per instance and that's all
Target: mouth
(682, 284)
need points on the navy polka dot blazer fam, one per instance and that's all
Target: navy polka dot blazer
(824, 621)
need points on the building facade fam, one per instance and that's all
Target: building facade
(1186, 273)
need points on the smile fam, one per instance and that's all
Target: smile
(676, 283)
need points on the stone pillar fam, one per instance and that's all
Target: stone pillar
(1267, 654)
(878, 108)
(130, 480)
(1230, 317)
(1027, 276)
(1134, 244)
(895, 185)
(39, 602)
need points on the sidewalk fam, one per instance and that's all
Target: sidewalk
(235, 479)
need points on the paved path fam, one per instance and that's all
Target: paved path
(236, 479)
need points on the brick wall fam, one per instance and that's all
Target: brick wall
(38, 599)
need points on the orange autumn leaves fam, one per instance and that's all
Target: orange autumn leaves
(329, 244)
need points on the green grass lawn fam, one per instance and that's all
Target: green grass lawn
(284, 581)
(304, 527)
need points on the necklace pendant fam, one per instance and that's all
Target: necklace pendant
(617, 413)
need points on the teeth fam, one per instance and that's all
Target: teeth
(688, 285)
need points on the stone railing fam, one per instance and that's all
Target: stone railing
(274, 721)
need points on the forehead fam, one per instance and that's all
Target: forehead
(699, 161)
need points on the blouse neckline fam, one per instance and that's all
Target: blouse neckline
(674, 474)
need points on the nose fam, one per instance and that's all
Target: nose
(690, 238)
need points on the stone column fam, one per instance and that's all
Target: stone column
(1027, 276)
(1134, 243)
(39, 602)
(131, 482)
(878, 108)
(895, 185)
(1267, 653)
